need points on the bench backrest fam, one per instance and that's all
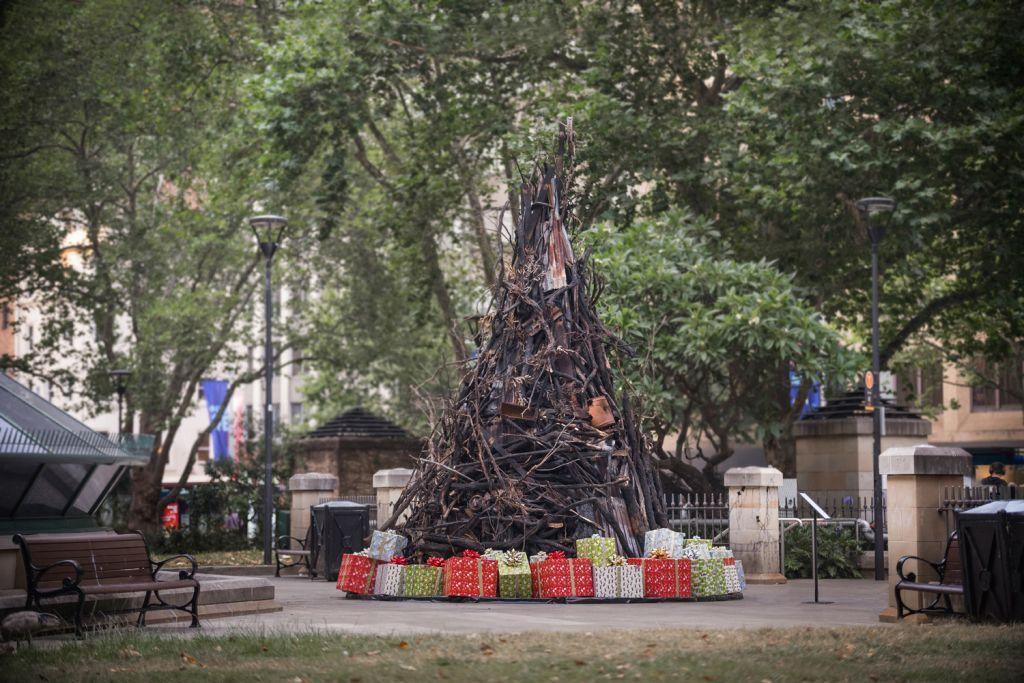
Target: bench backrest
(954, 572)
(104, 558)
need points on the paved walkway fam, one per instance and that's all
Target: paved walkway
(316, 605)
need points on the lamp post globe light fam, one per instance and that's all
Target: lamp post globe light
(268, 230)
(120, 378)
(870, 208)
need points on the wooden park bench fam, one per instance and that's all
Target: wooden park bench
(301, 557)
(950, 573)
(94, 564)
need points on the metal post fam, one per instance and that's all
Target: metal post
(876, 413)
(814, 552)
(268, 249)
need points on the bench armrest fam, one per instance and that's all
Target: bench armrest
(282, 539)
(911, 576)
(68, 583)
(182, 574)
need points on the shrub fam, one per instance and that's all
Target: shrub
(838, 551)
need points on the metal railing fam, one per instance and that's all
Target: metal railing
(704, 515)
(956, 499)
(85, 445)
(839, 506)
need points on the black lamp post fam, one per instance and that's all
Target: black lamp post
(868, 208)
(268, 230)
(120, 378)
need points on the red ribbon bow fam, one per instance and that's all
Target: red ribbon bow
(470, 553)
(435, 561)
(398, 559)
(556, 555)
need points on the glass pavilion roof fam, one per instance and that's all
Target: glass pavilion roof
(52, 465)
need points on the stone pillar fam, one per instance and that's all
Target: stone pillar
(916, 479)
(307, 489)
(754, 521)
(389, 484)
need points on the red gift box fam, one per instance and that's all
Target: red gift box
(535, 579)
(665, 578)
(471, 577)
(728, 561)
(358, 574)
(562, 578)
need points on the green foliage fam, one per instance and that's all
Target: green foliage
(838, 552)
(709, 332)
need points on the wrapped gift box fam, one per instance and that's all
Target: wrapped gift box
(672, 541)
(624, 581)
(709, 578)
(515, 579)
(565, 578)
(721, 552)
(389, 579)
(422, 581)
(742, 576)
(665, 578)
(697, 549)
(471, 577)
(598, 549)
(386, 544)
(732, 577)
(358, 574)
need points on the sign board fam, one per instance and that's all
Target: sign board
(815, 506)
(171, 518)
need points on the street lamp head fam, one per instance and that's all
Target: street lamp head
(120, 378)
(268, 229)
(873, 205)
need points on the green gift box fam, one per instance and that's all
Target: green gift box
(422, 581)
(514, 580)
(598, 549)
(708, 577)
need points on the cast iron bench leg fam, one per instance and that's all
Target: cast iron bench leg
(142, 613)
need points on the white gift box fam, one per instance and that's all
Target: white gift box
(732, 579)
(741, 575)
(389, 579)
(386, 544)
(672, 541)
(626, 581)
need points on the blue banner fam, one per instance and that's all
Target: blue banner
(813, 396)
(215, 391)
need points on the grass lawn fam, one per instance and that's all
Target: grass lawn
(922, 653)
(248, 558)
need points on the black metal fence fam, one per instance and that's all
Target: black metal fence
(704, 515)
(858, 509)
(956, 499)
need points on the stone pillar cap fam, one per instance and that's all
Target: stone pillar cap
(753, 476)
(312, 481)
(925, 459)
(393, 478)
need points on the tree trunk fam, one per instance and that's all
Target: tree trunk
(144, 513)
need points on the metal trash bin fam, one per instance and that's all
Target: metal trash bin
(341, 526)
(992, 552)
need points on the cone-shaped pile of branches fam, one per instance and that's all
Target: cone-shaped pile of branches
(535, 451)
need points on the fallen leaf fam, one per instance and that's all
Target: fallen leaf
(128, 652)
(579, 662)
(218, 649)
(624, 666)
(371, 653)
(407, 667)
(264, 648)
(403, 645)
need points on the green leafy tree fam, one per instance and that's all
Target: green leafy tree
(921, 101)
(708, 333)
(124, 150)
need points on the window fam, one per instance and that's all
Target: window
(276, 410)
(252, 358)
(920, 386)
(1000, 386)
(5, 316)
(31, 338)
(203, 454)
(250, 428)
(297, 411)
